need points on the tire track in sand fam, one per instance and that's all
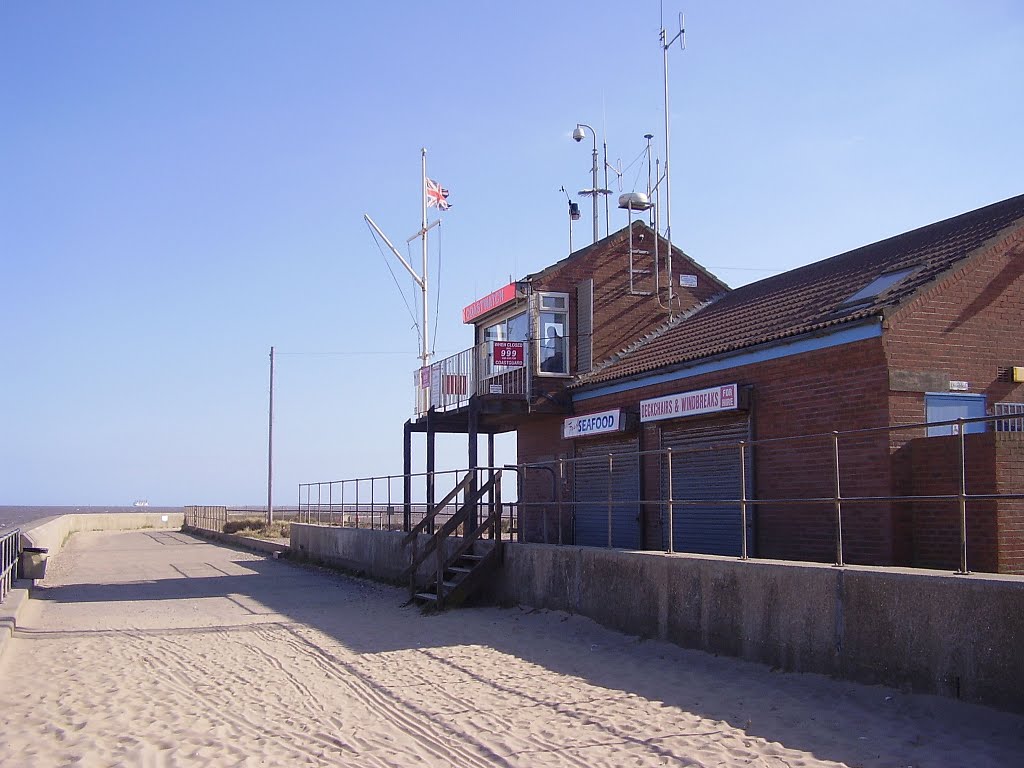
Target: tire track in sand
(411, 719)
(177, 673)
(528, 700)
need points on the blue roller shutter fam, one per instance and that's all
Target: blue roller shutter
(593, 487)
(706, 467)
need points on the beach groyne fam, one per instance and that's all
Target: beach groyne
(918, 630)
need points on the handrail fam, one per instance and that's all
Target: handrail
(451, 525)
(453, 380)
(843, 502)
(492, 519)
(431, 514)
(10, 550)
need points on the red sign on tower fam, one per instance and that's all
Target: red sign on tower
(508, 353)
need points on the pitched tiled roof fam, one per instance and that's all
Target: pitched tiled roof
(620, 237)
(817, 296)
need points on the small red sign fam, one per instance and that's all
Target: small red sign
(509, 353)
(727, 396)
(489, 302)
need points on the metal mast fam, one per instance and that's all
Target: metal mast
(421, 281)
(665, 45)
(270, 447)
(425, 354)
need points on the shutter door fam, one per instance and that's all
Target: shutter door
(591, 489)
(702, 474)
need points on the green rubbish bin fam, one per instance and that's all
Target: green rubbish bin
(33, 563)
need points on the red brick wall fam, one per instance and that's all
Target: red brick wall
(621, 318)
(967, 327)
(994, 463)
(540, 442)
(935, 463)
(1010, 479)
(841, 388)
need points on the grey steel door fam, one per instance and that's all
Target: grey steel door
(601, 495)
(706, 467)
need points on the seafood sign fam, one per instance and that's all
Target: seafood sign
(592, 424)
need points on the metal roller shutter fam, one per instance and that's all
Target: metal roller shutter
(592, 487)
(703, 473)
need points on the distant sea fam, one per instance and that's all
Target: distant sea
(20, 517)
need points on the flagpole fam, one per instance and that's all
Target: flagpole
(423, 203)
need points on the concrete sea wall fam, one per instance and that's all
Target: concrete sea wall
(263, 546)
(923, 631)
(53, 532)
(376, 554)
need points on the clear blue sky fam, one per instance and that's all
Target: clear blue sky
(183, 186)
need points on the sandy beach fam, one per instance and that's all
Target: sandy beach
(159, 649)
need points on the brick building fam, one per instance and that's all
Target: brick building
(613, 356)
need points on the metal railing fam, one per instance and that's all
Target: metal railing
(10, 550)
(450, 383)
(836, 497)
(207, 518)
(379, 503)
(837, 490)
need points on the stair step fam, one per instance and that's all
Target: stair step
(460, 569)
(427, 596)
(470, 556)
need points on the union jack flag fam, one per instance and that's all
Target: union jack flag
(437, 196)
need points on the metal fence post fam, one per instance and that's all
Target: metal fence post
(837, 500)
(611, 461)
(558, 496)
(743, 500)
(671, 503)
(962, 499)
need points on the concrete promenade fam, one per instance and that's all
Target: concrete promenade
(156, 648)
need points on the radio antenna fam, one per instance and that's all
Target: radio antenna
(665, 45)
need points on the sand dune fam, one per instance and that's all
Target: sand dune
(157, 649)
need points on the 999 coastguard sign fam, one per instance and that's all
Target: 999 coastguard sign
(592, 424)
(690, 403)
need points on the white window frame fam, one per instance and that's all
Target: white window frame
(536, 311)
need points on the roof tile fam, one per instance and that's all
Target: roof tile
(812, 297)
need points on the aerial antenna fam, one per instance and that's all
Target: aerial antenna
(665, 45)
(574, 215)
(650, 190)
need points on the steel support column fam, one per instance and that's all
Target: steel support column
(406, 479)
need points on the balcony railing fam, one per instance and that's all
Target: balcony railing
(490, 368)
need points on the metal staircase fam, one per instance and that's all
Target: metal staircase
(461, 564)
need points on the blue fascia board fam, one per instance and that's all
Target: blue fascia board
(795, 346)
